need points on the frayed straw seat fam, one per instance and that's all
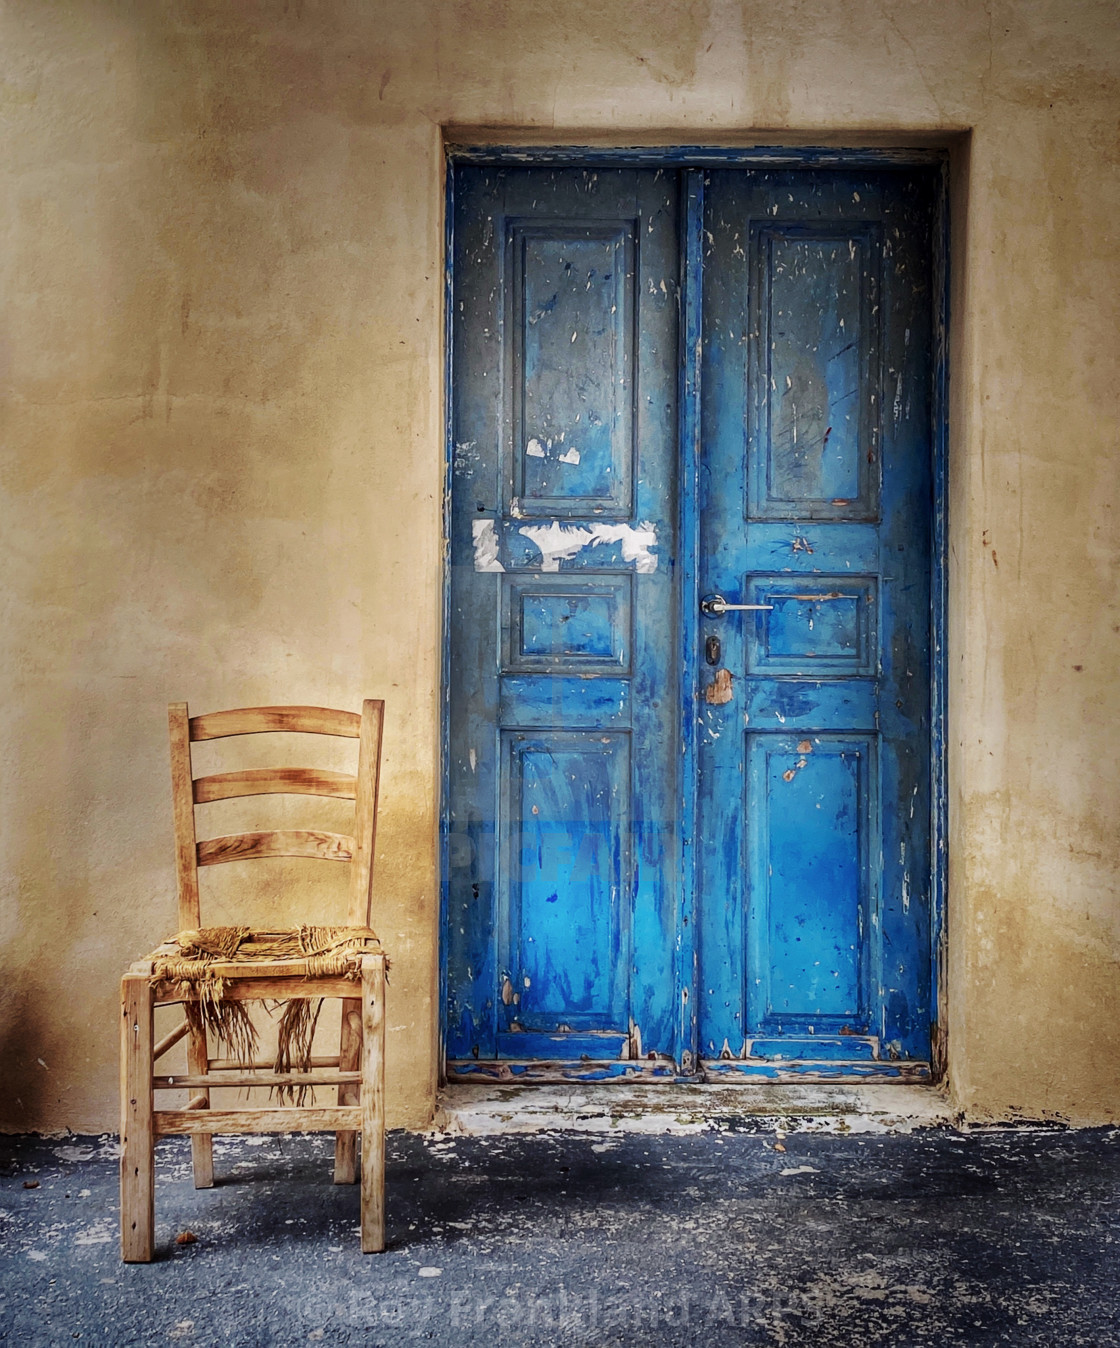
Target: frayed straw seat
(214, 971)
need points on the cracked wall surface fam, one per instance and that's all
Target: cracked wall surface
(223, 453)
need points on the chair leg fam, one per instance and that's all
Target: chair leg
(202, 1144)
(349, 1059)
(373, 1104)
(137, 1141)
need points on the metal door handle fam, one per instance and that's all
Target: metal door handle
(714, 606)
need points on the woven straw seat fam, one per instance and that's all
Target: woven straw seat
(215, 973)
(238, 952)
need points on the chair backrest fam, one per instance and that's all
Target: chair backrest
(187, 791)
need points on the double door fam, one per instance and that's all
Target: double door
(688, 769)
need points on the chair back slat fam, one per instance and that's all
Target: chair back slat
(182, 805)
(274, 781)
(280, 842)
(190, 853)
(217, 725)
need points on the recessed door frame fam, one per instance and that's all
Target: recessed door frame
(690, 162)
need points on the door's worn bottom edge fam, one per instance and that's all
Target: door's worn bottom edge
(664, 1069)
(563, 1069)
(674, 1106)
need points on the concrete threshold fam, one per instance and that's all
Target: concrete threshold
(635, 1107)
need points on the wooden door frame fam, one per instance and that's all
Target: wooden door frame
(691, 161)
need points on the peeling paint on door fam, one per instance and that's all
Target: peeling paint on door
(719, 692)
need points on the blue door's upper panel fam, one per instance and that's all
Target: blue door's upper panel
(573, 378)
(813, 306)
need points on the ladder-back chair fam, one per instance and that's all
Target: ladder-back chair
(213, 972)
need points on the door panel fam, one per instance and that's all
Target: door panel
(566, 847)
(810, 808)
(815, 506)
(564, 851)
(572, 284)
(814, 355)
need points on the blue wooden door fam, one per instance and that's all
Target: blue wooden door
(576, 942)
(815, 515)
(563, 845)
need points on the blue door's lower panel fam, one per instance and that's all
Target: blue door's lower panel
(811, 810)
(563, 920)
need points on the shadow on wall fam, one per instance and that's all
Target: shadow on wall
(29, 1092)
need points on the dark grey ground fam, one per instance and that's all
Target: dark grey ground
(935, 1238)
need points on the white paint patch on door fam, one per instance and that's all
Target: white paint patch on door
(637, 542)
(561, 542)
(556, 542)
(485, 546)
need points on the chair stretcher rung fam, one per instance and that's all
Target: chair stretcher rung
(259, 1065)
(339, 1118)
(270, 1079)
(170, 1040)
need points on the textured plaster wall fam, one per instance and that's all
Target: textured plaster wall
(222, 451)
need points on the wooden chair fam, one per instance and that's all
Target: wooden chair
(357, 1071)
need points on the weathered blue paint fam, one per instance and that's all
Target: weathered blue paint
(582, 638)
(563, 815)
(815, 502)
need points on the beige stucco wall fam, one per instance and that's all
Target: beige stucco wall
(223, 458)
